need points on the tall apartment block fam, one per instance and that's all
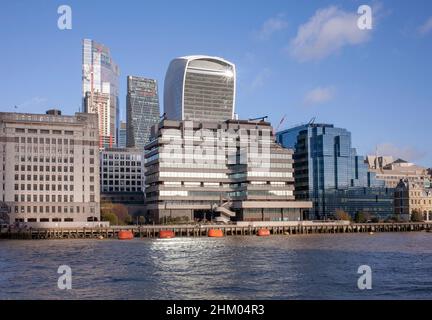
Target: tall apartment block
(100, 90)
(200, 88)
(329, 172)
(50, 167)
(142, 110)
(231, 170)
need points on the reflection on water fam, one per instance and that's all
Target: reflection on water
(279, 267)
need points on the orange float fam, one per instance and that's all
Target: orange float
(263, 232)
(166, 234)
(215, 233)
(125, 235)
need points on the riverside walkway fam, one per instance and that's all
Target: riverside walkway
(195, 230)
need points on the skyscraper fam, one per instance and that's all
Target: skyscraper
(200, 88)
(100, 78)
(122, 135)
(142, 110)
(329, 172)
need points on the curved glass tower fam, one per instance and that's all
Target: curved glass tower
(200, 88)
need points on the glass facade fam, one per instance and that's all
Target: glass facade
(200, 88)
(99, 78)
(329, 172)
(122, 135)
(142, 110)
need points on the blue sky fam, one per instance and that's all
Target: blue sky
(299, 58)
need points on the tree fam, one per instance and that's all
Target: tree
(122, 212)
(417, 216)
(342, 215)
(362, 217)
(109, 216)
(141, 220)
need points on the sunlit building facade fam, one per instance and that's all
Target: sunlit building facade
(100, 79)
(200, 88)
(329, 172)
(230, 169)
(50, 167)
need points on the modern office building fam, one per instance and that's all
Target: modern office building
(122, 135)
(411, 197)
(100, 82)
(230, 170)
(329, 172)
(50, 167)
(122, 178)
(122, 170)
(200, 88)
(142, 110)
(392, 171)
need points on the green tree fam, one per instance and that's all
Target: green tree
(109, 216)
(141, 220)
(417, 216)
(362, 217)
(342, 215)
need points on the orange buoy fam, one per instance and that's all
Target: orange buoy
(166, 234)
(263, 232)
(215, 233)
(125, 235)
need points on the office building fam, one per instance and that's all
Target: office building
(412, 197)
(392, 171)
(329, 172)
(122, 170)
(100, 88)
(50, 167)
(122, 178)
(200, 88)
(142, 110)
(230, 170)
(122, 135)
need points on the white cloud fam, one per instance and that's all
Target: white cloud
(405, 153)
(328, 31)
(260, 79)
(319, 95)
(426, 27)
(272, 26)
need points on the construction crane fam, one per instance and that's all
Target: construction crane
(259, 118)
(278, 126)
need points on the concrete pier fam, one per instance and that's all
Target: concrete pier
(248, 229)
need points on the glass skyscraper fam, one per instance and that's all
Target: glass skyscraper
(122, 135)
(142, 110)
(200, 88)
(329, 172)
(100, 80)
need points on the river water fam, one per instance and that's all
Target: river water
(248, 267)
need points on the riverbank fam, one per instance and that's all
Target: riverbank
(319, 266)
(242, 229)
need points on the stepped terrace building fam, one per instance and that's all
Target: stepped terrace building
(50, 167)
(231, 170)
